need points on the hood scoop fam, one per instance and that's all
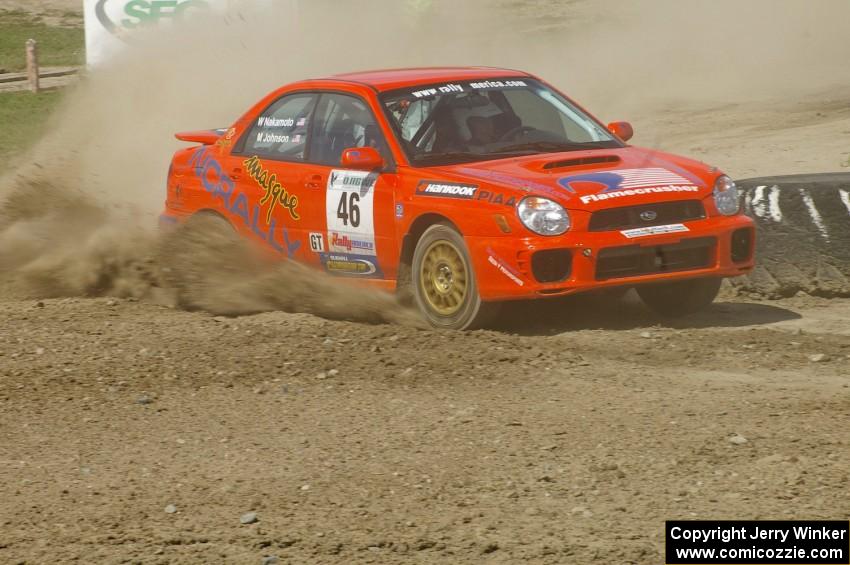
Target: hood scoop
(581, 162)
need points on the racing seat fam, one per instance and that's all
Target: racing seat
(446, 135)
(336, 140)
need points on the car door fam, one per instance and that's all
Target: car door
(356, 237)
(268, 165)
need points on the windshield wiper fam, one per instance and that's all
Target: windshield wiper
(503, 152)
(449, 155)
(547, 146)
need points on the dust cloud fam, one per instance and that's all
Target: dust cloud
(78, 214)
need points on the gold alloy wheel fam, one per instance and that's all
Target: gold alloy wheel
(443, 278)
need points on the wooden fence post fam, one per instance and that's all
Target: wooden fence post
(32, 65)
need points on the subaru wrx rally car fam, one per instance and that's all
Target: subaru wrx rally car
(466, 186)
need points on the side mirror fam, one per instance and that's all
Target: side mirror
(623, 130)
(362, 158)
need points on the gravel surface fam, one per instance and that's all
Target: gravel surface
(569, 440)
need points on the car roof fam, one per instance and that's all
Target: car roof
(391, 79)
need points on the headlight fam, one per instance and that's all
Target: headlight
(726, 196)
(543, 216)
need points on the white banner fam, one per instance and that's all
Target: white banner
(110, 24)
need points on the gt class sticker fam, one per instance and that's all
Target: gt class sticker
(317, 243)
(654, 230)
(446, 189)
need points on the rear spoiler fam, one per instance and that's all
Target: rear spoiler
(204, 137)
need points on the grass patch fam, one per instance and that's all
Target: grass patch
(59, 45)
(24, 117)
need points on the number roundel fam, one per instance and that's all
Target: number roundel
(352, 248)
(348, 209)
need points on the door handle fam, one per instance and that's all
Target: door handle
(236, 173)
(313, 181)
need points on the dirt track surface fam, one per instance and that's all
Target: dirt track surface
(569, 440)
(136, 433)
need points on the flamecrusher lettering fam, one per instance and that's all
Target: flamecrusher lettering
(635, 191)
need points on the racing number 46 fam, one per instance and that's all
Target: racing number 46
(348, 210)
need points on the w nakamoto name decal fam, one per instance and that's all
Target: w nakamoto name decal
(275, 193)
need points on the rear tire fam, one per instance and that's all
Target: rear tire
(680, 298)
(199, 255)
(445, 288)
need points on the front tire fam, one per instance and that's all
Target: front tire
(444, 285)
(680, 298)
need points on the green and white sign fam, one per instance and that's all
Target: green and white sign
(111, 24)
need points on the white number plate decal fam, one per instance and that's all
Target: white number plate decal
(349, 203)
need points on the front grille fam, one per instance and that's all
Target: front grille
(630, 216)
(635, 261)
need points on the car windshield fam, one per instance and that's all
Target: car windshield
(470, 121)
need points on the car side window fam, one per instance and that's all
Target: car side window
(343, 122)
(281, 131)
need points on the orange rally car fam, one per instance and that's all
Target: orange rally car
(467, 186)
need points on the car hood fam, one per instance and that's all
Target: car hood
(595, 179)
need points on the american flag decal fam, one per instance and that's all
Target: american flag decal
(654, 176)
(625, 179)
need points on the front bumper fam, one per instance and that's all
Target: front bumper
(507, 269)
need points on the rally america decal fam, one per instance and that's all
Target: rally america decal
(350, 245)
(628, 182)
(446, 189)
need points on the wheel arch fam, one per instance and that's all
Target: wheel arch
(414, 234)
(211, 213)
(408, 246)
